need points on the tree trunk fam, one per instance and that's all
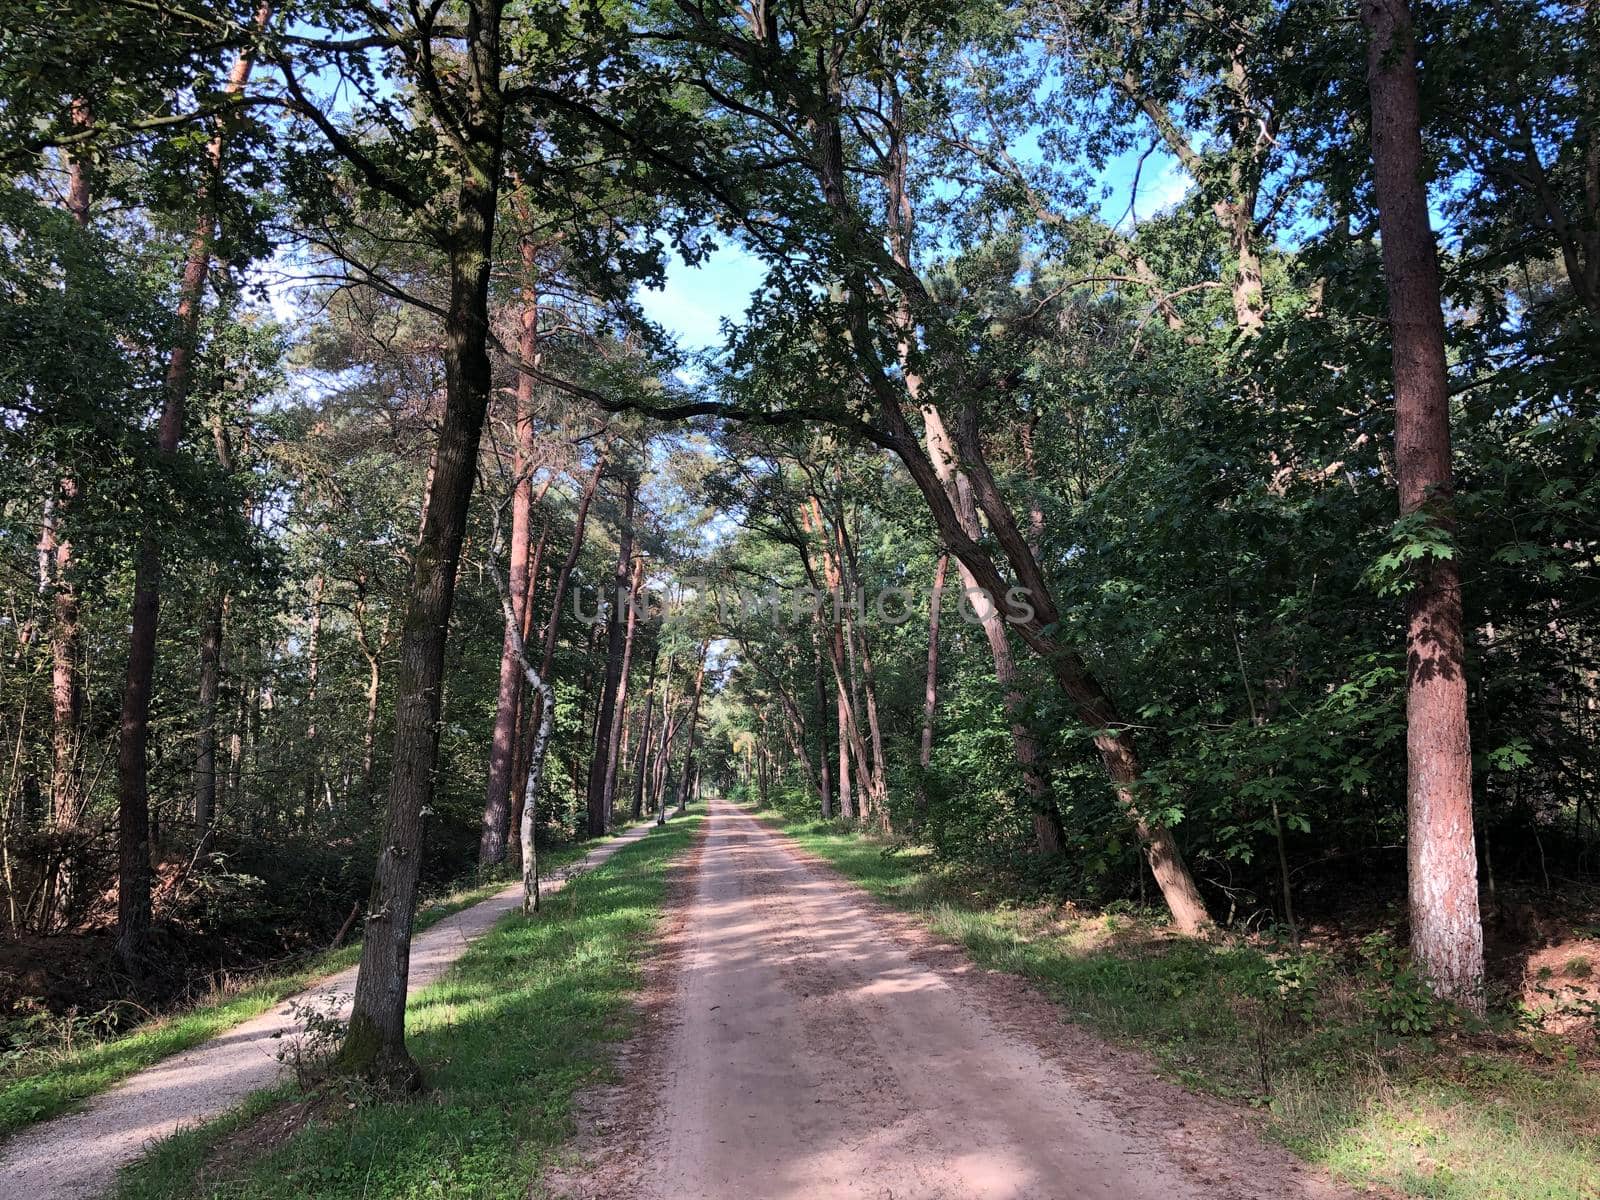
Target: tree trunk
(236, 744)
(375, 1043)
(849, 737)
(374, 656)
(824, 767)
(1041, 803)
(847, 797)
(211, 644)
(930, 688)
(313, 669)
(879, 792)
(133, 786)
(528, 818)
(503, 740)
(524, 729)
(614, 748)
(688, 776)
(527, 826)
(605, 713)
(656, 765)
(66, 686)
(553, 626)
(644, 739)
(205, 737)
(1094, 708)
(1446, 930)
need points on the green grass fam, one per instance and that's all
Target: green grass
(1308, 1041)
(44, 1084)
(505, 1040)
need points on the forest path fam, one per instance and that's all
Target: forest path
(77, 1155)
(807, 1043)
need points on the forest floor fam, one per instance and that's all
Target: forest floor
(80, 1153)
(1349, 1067)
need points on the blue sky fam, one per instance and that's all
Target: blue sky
(697, 299)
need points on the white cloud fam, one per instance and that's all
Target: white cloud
(1171, 186)
(697, 299)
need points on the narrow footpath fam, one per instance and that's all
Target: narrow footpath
(76, 1156)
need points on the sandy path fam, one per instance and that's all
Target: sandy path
(77, 1155)
(814, 1051)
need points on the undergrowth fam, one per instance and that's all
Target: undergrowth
(1350, 1060)
(71, 1061)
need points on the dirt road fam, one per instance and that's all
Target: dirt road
(814, 1049)
(77, 1155)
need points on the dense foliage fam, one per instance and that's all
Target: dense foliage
(1167, 417)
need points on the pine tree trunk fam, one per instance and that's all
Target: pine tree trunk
(644, 740)
(662, 765)
(616, 749)
(503, 740)
(824, 767)
(616, 627)
(847, 797)
(313, 670)
(552, 627)
(1446, 929)
(878, 776)
(688, 775)
(66, 686)
(211, 643)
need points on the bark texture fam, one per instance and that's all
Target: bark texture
(1041, 802)
(930, 688)
(1446, 930)
(535, 713)
(375, 1044)
(615, 748)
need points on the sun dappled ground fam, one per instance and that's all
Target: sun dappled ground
(1347, 1063)
(51, 1079)
(505, 1042)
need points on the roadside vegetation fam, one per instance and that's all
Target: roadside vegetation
(66, 1062)
(1352, 1062)
(1127, 452)
(505, 1041)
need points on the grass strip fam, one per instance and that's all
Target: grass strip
(38, 1086)
(505, 1042)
